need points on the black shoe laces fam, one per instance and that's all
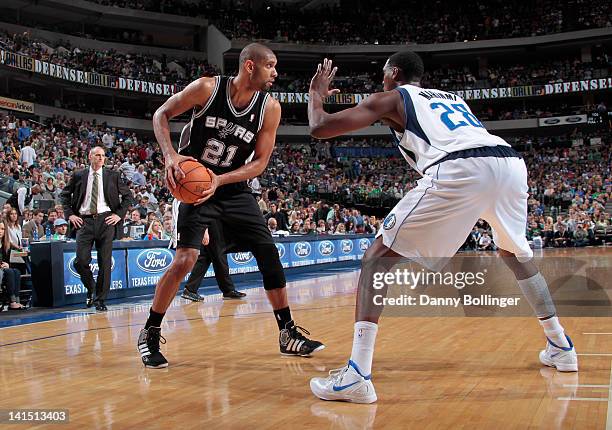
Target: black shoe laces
(154, 338)
(297, 334)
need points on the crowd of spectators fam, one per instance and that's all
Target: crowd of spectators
(578, 183)
(61, 147)
(496, 111)
(309, 188)
(110, 62)
(395, 22)
(493, 111)
(315, 185)
(451, 78)
(163, 69)
(535, 72)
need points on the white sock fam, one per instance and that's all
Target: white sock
(363, 345)
(554, 331)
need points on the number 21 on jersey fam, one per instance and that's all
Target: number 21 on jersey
(456, 109)
(214, 151)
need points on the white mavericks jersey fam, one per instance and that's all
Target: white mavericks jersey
(437, 124)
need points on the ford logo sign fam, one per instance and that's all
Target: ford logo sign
(93, 265)
(326, 248)
(154, 260)
(302, 249)
(552, 121)
(281, 250)
(364, 244)
(242, 257)
(573, 119)
(347, 246)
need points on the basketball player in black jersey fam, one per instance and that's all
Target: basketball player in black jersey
(232, 133)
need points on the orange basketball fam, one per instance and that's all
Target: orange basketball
(197, 179)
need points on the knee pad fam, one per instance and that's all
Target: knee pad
(270, 266)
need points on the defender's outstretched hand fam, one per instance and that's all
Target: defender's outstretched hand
(322, 79)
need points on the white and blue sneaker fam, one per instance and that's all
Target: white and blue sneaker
(563, 358)
(346, 384)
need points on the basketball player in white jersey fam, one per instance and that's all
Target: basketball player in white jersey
(467, 174)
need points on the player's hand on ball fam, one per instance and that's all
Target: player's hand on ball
(207, 194)
(173, 168)
(323, 78)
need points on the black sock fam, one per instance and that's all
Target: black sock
(283, 316)
(154, 320)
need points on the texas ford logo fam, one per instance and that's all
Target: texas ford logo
(364, 244)
(93, 265)
(154, 260)
(326, 248)
(242, 257)
(302, 249)
(347, 246)
(281, 250)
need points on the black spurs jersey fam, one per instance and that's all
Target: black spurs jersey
(221, 137)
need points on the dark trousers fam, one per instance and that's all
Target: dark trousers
(95, 232)
(12, 279)
(214, 253)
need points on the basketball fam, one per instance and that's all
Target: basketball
(197, 179)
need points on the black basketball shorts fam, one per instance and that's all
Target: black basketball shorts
(243, 224)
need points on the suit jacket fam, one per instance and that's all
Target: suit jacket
(28, 230)
(116, 193)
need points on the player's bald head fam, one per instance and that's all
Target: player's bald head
(255, 52)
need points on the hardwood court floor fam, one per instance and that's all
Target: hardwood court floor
(225, 370)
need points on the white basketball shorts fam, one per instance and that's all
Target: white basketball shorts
(432, 221)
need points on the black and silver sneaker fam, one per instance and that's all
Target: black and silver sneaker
(190, 295)
(148, 347)
(292, 342)
(234, 295)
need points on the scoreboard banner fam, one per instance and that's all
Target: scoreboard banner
(18, 105)
(562, 120)
(123, 83)
(57, 71)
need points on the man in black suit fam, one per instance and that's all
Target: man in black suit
(94, 201)
(212, 250)
(280, 217)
